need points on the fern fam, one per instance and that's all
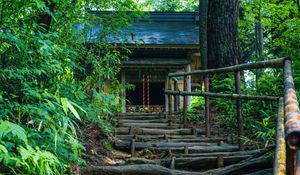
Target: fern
(39, 162)
(12, 131)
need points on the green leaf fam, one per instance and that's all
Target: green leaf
(64, 102)
(7, 127)
(73, 110)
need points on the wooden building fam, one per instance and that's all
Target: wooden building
(160, 42)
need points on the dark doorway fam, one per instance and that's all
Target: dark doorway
(156, 94)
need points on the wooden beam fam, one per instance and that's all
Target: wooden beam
(220, 95)
(275, 63)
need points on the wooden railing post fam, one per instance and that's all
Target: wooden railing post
(280, 160)
(123, 92)
(166, 96)
(176, 99)
(207, 107)
(292, 122)
(239, 110)
(185, 99)
(170, 96)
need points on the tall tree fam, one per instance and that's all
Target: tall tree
(222, 33)
(203, 12)
(259, 32)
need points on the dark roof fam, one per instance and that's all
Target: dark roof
(161, 28)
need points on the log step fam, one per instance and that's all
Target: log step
(170, 138)
(148, 121)
(148, 131)
(140, 117)
(201, 149)
(151, 125)
(203, 163)
(143, 145)
(236, 153)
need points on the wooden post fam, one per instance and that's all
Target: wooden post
(170, 96)
(195, 133)
(131, 130)
(123, 95)
(186, 150)
(166, 137)
(185, 100)
(207, 107)
(166, 96)
(220, 161)
(172, 165)
(239, 110)
(176, 97)
(280, 160)
(188, 85)
(132, 147)
(170, 122)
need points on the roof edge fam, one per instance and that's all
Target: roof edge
(158, 16)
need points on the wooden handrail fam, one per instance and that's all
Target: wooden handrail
(280, 153)
(292, 112)
(274, 63)
(221, 95)
(287, 155)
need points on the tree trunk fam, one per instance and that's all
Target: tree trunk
(222, 33)
(146, 169)
(203, 12)
(259, 42)
(260, 34)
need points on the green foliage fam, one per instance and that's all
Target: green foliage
(169, 5)
(259, 117)
(197, 102)
(20, 157)
(52, 80)
(280, 23)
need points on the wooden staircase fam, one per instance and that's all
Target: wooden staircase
(186, 148)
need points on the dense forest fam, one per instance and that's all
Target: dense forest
(52, 80)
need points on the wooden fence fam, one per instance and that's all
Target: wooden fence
(287, 161)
